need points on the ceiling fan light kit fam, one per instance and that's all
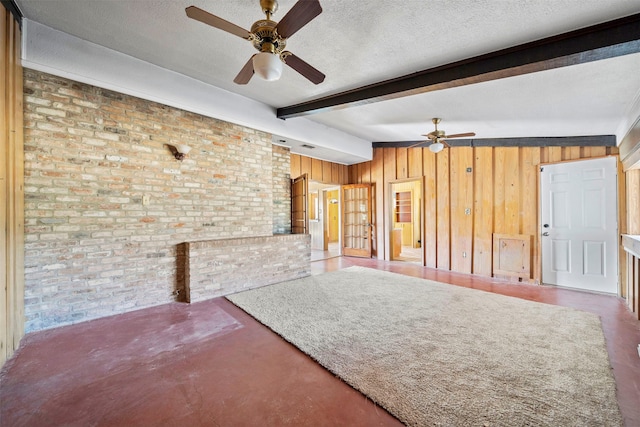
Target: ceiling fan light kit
(436, 147)
(267, 66)
(269, 38)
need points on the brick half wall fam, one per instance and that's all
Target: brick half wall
(215, 268)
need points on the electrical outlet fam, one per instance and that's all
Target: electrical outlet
(467, 211)
(146, 199)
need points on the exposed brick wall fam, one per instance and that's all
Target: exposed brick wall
(93, 158)
(281, 190)
(222, 267)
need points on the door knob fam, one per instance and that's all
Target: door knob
(546, 233)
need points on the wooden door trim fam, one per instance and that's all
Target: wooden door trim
(388, 215)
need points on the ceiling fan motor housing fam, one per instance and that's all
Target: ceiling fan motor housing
(265, 38)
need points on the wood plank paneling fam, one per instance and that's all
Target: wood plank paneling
(633, 201)
(430, 240)
(596, 152)
(502, 191)
(335, 173)
(5, 332)
(499, 191)
(326, 171)
(295, 165)
(555, 154)
(530, 165)
(461, 198)
(389, 168)
(12, 191)
(512, 191)
(377, 178)
(483, 211)
(316, 170)
(443, 216)
(305, 165)
(402, 168)
(320, 170)
(415, 162)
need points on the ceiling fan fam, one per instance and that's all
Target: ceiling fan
(438, 137)
(269, 38)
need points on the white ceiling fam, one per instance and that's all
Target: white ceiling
(360, 42)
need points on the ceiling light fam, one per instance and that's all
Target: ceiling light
(267, 65)
(436, 147)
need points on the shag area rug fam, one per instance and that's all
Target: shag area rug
(438, 354)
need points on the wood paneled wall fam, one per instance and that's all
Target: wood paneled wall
(319, 170)
(469, 194)
(11, 188)
(631, 271)
(633, 201)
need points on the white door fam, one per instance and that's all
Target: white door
(580, 224)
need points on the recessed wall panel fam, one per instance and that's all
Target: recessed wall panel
(593, 204)
(560, 209)
(594, 262)
(561, 255)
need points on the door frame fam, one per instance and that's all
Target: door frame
(388, 216)
(325, 201)
(618, 217)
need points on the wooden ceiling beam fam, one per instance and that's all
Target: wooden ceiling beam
(602, 41)
(560, 141)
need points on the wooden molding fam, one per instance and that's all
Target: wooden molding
(561, 141)
(607, 40)
(630, 147)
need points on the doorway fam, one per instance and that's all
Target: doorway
(406, 221)
(579, 224)
(324, 220)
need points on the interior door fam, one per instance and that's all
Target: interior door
(356, 220)
(299, 204)
(580, 224)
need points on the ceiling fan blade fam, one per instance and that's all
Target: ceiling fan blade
(313, 75)
(209, 19)
(419, 144)
(246, 73)
(460, 135)
(300, 15)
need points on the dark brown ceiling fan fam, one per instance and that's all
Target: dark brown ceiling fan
(269, 38)
(437, 138)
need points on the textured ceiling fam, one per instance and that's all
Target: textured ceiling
(356, 43)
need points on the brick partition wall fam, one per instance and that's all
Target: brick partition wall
(107, 205)
(221, 267)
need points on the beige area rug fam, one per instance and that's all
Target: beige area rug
(437, 354)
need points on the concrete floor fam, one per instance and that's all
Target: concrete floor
(210, 364)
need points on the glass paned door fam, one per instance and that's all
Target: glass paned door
(356, 220)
